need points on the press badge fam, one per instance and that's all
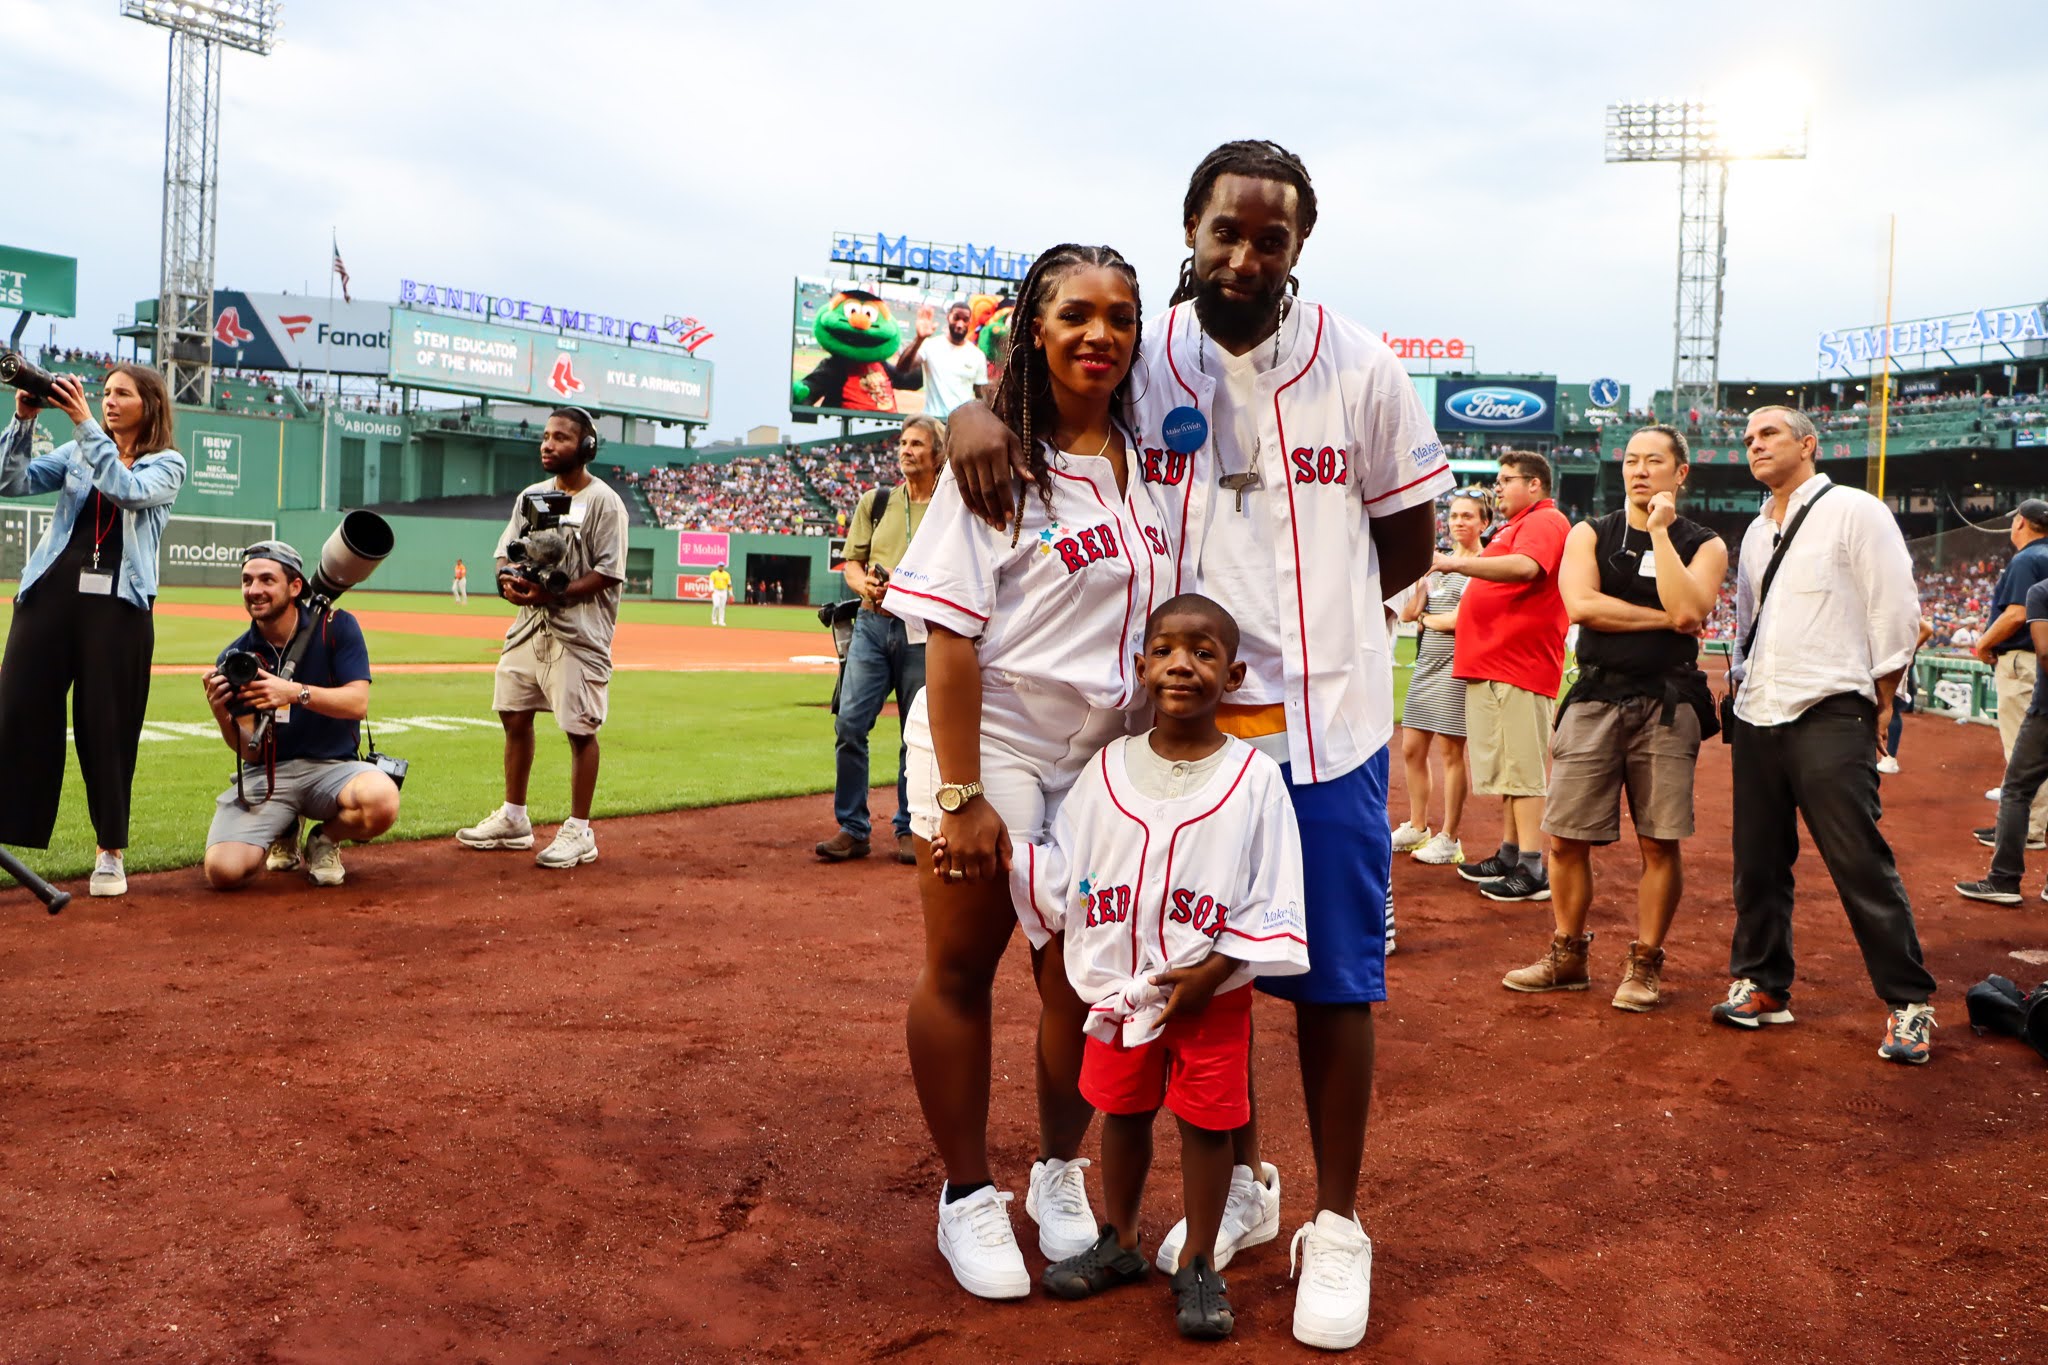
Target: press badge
(98, 584)
(1648, 568)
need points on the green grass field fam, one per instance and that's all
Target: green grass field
(672, 741)
(482, 602)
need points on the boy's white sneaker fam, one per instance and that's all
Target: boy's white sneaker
(975, 1239)
(1251, 1215)
(498, 830)
(571, 846)
(1334, 1297)
(1058, 1201)
(1408, 837)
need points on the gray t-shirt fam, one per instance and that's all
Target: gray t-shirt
(596, 531)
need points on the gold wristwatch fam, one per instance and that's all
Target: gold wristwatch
(953, 795)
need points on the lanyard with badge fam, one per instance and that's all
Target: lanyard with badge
(92, 580)
(1185, 429)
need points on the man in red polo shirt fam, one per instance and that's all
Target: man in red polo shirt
(1510, 656)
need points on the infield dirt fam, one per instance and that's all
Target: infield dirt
(656, 1109)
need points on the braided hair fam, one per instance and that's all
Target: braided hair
(1023, 397)
(1257, 159)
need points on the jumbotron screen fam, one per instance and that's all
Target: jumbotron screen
(457, 355)
(851, 335)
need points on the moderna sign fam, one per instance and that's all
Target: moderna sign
(1530, 405)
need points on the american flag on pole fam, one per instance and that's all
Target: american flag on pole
(342, 271)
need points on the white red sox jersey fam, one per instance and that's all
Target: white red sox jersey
(1140, 885)
(1067, 603)
(1342, 438)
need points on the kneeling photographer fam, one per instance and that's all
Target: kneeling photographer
(562, 562)
(306, 765)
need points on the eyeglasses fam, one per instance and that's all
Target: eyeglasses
(1501, 479)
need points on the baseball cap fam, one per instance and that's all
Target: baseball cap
(2036, 512)
(296, 567)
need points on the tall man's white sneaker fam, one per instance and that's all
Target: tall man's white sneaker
(571, 846)
(497, 830)
(1058, 1200)
(1251, 1215)
(1409, 837)
(1334, 1297)
(975, 1239)
(109, 875)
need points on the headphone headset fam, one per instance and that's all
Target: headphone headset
(589, 444)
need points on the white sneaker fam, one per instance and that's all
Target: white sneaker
(1334, 1296)
(1407, 837)
(498, 830)
(975, 1239)
(571, 846)
(1251, 1215)
(109, 876)
(284, 852)
(1441, 851)
(1887, 764)
(1058, 1201)
(323, 858)
(1995, 794)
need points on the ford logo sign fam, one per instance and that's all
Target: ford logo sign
(1496, 407)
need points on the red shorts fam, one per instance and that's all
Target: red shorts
(1200, 1067)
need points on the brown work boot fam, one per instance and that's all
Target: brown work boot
(1639, 980)
(841, 847)
(1563, 968)
(906, 851)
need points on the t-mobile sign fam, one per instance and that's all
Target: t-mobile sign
(702, 549)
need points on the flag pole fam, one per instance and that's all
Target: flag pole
(327, 357)
(1884, 384)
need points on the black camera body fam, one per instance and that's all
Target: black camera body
(17, 372)
(393, 768)
(239, 667)
(542, 549)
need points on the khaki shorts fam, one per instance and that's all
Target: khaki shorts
(1603, 748)
(538, 674)
(1507, 734)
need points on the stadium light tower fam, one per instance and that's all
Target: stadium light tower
(1703, 138)
(200, 30)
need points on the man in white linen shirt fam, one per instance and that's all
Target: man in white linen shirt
(1815, 692)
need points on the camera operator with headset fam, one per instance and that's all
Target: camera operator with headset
(562, 561)
(82, 621)
(307, 767)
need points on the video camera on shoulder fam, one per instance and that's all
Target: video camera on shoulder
(540, 553)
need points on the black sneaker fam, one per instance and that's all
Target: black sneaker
(1486, 870)
(1989, 838)
(1204, 1311)
(1102, 1266)
(1990, 891)
(1519, 885)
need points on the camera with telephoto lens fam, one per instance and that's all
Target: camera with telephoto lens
(240, 668)
(538, 555)
(37, 383)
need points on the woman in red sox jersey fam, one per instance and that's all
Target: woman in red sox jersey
(1033, 630)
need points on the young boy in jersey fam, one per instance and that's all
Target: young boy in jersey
(1175, 875)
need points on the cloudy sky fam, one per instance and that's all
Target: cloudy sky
(649, 157)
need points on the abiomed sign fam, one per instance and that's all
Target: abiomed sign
(979, 262)
(1860, 349)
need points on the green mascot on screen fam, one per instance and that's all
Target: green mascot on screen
(861, 337)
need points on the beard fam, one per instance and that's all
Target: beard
(1237, 320)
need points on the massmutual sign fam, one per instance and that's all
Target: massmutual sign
(1860, 349)
(938, 258)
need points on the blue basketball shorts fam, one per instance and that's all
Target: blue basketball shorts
(1347, 859)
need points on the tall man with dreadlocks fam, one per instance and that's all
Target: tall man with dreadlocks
(1034, 626)
(1297, 472)
(558, 651)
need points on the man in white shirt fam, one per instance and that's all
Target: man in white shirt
(1815, 683)
(953, 366)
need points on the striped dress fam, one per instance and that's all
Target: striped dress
(1436, 700)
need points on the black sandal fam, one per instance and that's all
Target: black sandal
(1102, 1266)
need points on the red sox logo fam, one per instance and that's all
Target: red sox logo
(564, 380)
(1206, 913)
(229, 331)
(1077, 552)
(1326, 465)
(1106, 904)
(1164, 466)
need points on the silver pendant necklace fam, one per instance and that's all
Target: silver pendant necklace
(1247, 479)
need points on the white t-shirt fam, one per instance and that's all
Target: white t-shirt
(1067, 603)
(1139, 885)
(950, 373)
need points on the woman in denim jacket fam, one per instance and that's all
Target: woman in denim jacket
(82, 612)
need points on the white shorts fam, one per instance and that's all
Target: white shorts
(1035, 739)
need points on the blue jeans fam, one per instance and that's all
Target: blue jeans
(880, 660)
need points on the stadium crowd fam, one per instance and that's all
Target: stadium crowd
(802, 490)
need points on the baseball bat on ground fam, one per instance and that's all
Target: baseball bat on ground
(49, 895)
